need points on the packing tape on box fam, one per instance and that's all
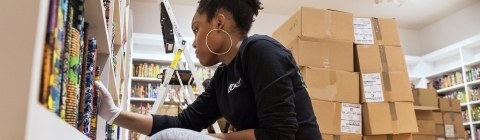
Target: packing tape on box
(393, 111)
(326, 60)
(454, 130)
(333, 77)
(326, 63)
(386, 76)
(376, 27)
(336, 137)
(452, 116)
(327, 22)
(450, 102)
(389, 136)
(416, 99)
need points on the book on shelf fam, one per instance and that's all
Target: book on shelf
(446, 81)
(473, 74)
(459, 95)
(150, 70)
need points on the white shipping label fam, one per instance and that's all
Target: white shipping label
(351, 118)
(362, 28)
(449, 130)
(440, 138)
(372, 87)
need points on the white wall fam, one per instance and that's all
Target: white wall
(146, 17)
(410, 40)
(449, 30)
(147, 20)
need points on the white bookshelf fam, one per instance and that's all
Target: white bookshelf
(22, 44)
(461, 56)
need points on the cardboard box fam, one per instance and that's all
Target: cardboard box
(449, 105)
(338, 118)
(389, 118)
(452, 118)
(427, 123)
(331, 85)
(427, 137)
(460, 138)
(425, 98)
(454, 130)
(376, 87)
(337, 55)
(378, 31)
(341, 137)
(438, 117)
(389, 137)
(426, 127)
(424, 115)
(379, 58)
(440, 130)
(170, 110)
(316, 23)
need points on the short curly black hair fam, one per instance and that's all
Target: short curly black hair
(242, 11)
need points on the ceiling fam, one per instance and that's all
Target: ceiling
(413, 14)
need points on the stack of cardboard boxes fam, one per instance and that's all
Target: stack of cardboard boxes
(443, 123)
(385, 90)
(355, 72)
(322, 44)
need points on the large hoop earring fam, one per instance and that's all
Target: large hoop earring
(206, 41)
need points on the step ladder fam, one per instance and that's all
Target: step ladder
(176, 74)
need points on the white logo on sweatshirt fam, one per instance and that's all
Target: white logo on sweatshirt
(234, 85)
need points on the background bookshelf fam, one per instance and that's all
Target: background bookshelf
(144, 84)
(454, 72)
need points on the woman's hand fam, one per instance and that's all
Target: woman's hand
(106, 109)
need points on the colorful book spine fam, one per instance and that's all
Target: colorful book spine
(87, 108)
(95, 101)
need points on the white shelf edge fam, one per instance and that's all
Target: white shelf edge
(473, 82)
(475, 122)
(445, 71)
(474, 102)
(143, 99)
(113, 85)
(449, 89)
(118, 25)
(136, 99)
(45, 125)
(98, 28)
(473, 63)
(146, 79)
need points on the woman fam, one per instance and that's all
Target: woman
(258, 87)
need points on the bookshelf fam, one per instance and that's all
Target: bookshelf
(23, 53)
(152, 59)
(453, 71)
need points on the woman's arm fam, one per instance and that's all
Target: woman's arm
(135, 122)
(198, 115)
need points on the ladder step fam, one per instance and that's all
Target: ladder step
(185, 75)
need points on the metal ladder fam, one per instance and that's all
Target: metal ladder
(175, 67)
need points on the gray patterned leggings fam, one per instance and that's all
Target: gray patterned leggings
(181, 134)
